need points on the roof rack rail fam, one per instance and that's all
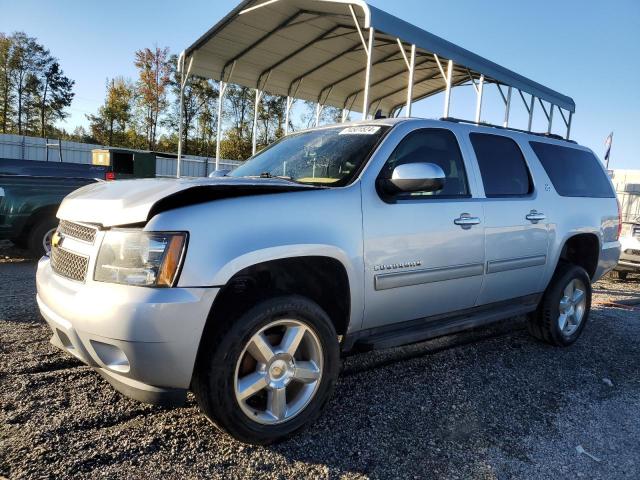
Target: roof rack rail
(501, 127)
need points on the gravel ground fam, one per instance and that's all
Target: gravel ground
(492, 403)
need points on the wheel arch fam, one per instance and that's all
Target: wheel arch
(319, 272)
(36, 216)
(582, 249)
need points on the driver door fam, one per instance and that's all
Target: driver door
(423, 252)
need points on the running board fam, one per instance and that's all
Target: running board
(432, 327)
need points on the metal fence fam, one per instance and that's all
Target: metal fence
(627, 183)
(21, 147)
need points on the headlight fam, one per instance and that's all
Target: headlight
(134, 257)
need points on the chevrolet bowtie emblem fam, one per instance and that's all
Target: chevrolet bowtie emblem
(56, 240)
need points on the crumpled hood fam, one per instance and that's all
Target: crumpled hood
(126, 202)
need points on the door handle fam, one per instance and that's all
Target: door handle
(466, 221)
(536, 216)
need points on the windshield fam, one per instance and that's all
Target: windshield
(329, 157)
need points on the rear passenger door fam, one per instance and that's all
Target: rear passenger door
(516, 228)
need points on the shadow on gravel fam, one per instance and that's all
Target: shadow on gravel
(58, 364)
(445, 409)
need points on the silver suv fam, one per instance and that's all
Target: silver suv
(247, 289)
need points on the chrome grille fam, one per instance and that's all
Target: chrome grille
(68, 264)
(636, 230)
(79, 232)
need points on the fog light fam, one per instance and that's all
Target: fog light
(111, 356)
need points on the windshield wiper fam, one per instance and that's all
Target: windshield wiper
(281, 177)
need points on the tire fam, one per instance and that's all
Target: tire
(618, 275)
(20, 242)
(226, 351)
(546, 323)
(37, 234)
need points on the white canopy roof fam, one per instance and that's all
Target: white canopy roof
(314, 50)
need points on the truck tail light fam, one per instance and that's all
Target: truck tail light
(619, 220)
(109, 176)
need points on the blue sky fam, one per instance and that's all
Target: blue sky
(587, 49)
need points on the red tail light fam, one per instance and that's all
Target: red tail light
(109, 176)
(619, 220)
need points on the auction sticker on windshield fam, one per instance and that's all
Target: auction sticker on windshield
(366, 130)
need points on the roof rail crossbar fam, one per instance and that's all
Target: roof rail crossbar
(554, 136)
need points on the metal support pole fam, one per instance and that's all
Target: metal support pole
(221, 92)
(184, 78)
(569, 125)
(550, 118)
(367, 80)
(287, 114)
(447, 93)
(291, 98)
(479, 99)
(507, 108)
(411, 65)
(222, 89)
(256, 110)
(254, 145)
(531, 107)
(319, 109)
(347, 109)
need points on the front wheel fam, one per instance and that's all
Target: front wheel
(269, 373)
(564, 310)
(40, 235)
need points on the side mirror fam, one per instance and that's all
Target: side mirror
(414, 177)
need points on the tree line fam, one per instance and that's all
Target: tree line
(141, 113)
(34, 92)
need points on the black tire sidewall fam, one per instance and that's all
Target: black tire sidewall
(37, 233)
(551, 303)
(220, 367)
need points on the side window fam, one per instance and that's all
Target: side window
(573, 172)
(504, 171)
(433, 145)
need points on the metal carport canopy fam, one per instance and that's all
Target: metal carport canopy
(350, 55)
(317, 42)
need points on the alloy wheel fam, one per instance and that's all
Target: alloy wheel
(572, 307)
(278, 372)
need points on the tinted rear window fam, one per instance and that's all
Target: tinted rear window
(573, 172)
(504, 171)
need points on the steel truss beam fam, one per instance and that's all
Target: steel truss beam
(319, 38)
(395, 92)
(379, 82)
(281, 26)
(360, 71)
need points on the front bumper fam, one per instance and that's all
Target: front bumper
(144, 341)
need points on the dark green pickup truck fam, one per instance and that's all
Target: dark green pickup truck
(28, 206)
(30, 194)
